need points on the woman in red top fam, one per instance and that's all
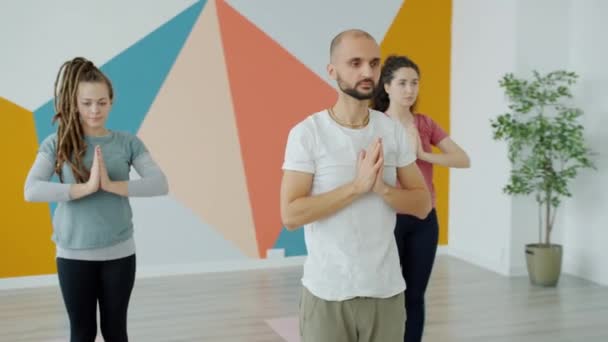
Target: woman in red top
(416, 239)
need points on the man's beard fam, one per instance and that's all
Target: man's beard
(353, 92)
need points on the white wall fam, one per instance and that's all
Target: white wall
(542, 42)
(483, 48)
(585, 225)
(489, 39)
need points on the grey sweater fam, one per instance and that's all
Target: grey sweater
(98, 226)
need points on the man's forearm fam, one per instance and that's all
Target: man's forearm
(313, 208)
(416, 202)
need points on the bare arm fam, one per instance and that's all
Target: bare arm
(452, 155)
(413, 198)
(299, 208)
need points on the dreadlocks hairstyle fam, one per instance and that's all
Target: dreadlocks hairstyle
(71, 146)
(392, 64)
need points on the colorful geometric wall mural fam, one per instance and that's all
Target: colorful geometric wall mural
(213, 93)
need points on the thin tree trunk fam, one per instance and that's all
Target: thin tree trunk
(547, 218)
(551, 224)
(540, 222)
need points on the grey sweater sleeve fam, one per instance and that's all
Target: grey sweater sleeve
(153, 181)
(39, 188)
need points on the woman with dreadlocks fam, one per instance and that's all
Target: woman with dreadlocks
(92, 224)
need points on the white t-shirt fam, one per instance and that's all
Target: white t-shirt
(352, 253)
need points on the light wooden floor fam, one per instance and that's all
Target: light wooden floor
(464, 303)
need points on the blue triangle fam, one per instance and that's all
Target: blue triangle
(292, 242)
(137, 74)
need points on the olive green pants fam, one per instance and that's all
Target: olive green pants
(359, 319)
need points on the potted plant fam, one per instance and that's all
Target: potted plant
(546, 147)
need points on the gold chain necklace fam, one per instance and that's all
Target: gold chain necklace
(335, 118)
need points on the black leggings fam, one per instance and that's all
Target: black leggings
(417, 243)
(84, 283)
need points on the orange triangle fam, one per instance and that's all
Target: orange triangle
(271, 91)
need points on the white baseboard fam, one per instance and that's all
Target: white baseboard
(218, 266)
(166, 270)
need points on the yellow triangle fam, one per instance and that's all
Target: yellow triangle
(27, 248)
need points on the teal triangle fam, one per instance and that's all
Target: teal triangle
(292, 242)
(137, 75)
